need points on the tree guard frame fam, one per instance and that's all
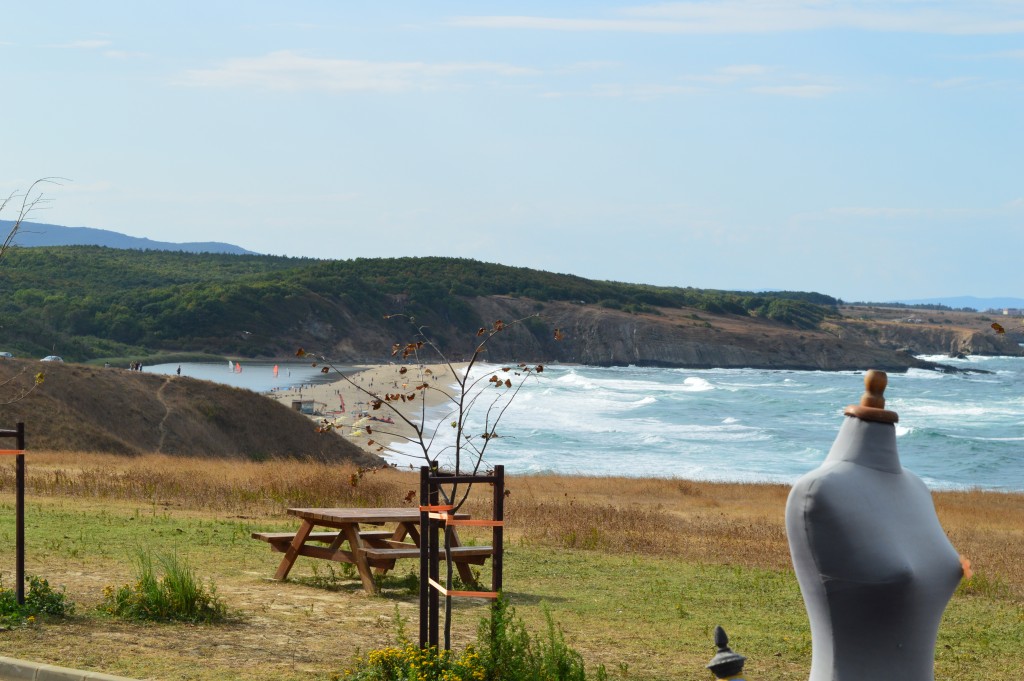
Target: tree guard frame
(18, 433)
(433, 516)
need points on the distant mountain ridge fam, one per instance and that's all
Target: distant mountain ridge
(34, 234)
(958, 302)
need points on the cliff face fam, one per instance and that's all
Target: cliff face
(920, 339)
(695, 339)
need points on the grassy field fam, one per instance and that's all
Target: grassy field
(636, 572)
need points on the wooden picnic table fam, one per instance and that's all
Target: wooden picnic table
(367, 549)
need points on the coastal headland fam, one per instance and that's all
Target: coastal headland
(265, 307)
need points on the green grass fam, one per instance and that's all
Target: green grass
(40, 600)
(169, 591)
(642, 618)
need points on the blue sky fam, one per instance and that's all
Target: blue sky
(868, 150)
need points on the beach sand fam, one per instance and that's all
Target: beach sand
(347, 402)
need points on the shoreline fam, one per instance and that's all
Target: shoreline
(629, 456)
(346, 403)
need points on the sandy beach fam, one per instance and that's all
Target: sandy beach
(347, 402)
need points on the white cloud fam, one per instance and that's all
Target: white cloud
(954, 17)
(83, 45)
(744, 70)
(641, 91)
(286, 70)
(802, 91)
(730, 74)
(881, 212)
(122, 54)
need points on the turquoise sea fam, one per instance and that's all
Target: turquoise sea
(256, 376)
(957, 430)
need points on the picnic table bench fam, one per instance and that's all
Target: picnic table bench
(367, 549)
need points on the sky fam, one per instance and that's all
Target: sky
(867, 150)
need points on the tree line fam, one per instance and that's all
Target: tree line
(89, 302)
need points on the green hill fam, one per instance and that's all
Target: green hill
(91, 302)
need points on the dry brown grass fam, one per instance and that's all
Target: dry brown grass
(731, 524)
(86, 408)
(630, 567)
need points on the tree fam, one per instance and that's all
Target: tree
(30, 201)
(27, 203)
(490, 392)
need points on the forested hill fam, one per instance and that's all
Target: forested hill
(93, 302)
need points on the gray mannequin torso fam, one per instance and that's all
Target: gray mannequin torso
(874, 566)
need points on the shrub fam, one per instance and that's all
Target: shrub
(41, 599)
(505, 651)
(176, 596)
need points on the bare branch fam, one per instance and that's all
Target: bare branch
(31, 201)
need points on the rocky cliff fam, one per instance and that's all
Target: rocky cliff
(857, 338)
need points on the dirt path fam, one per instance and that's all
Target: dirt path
(167, 413)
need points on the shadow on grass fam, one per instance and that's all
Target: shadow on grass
(518, 598)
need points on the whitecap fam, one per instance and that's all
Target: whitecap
(928, 374)
(695, 384)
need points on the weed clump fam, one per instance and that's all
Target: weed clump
(41, 599)
(504, 651)
(175, 596)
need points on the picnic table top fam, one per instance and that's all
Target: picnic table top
(362, 515)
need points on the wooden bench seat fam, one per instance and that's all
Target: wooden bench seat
(462, 554)
(376, 534)
(286, 537)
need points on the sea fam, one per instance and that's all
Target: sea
(960, 430)
(256, 376)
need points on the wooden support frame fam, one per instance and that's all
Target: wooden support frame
(18, 433)
(434, 516)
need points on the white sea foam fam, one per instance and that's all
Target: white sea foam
(925, 374)
(746, 425)
(695, 384)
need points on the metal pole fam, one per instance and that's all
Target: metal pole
(19, 569)
(498, 535)
(435, 571)
(424, 550)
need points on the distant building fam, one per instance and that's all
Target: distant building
(1013, 312)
